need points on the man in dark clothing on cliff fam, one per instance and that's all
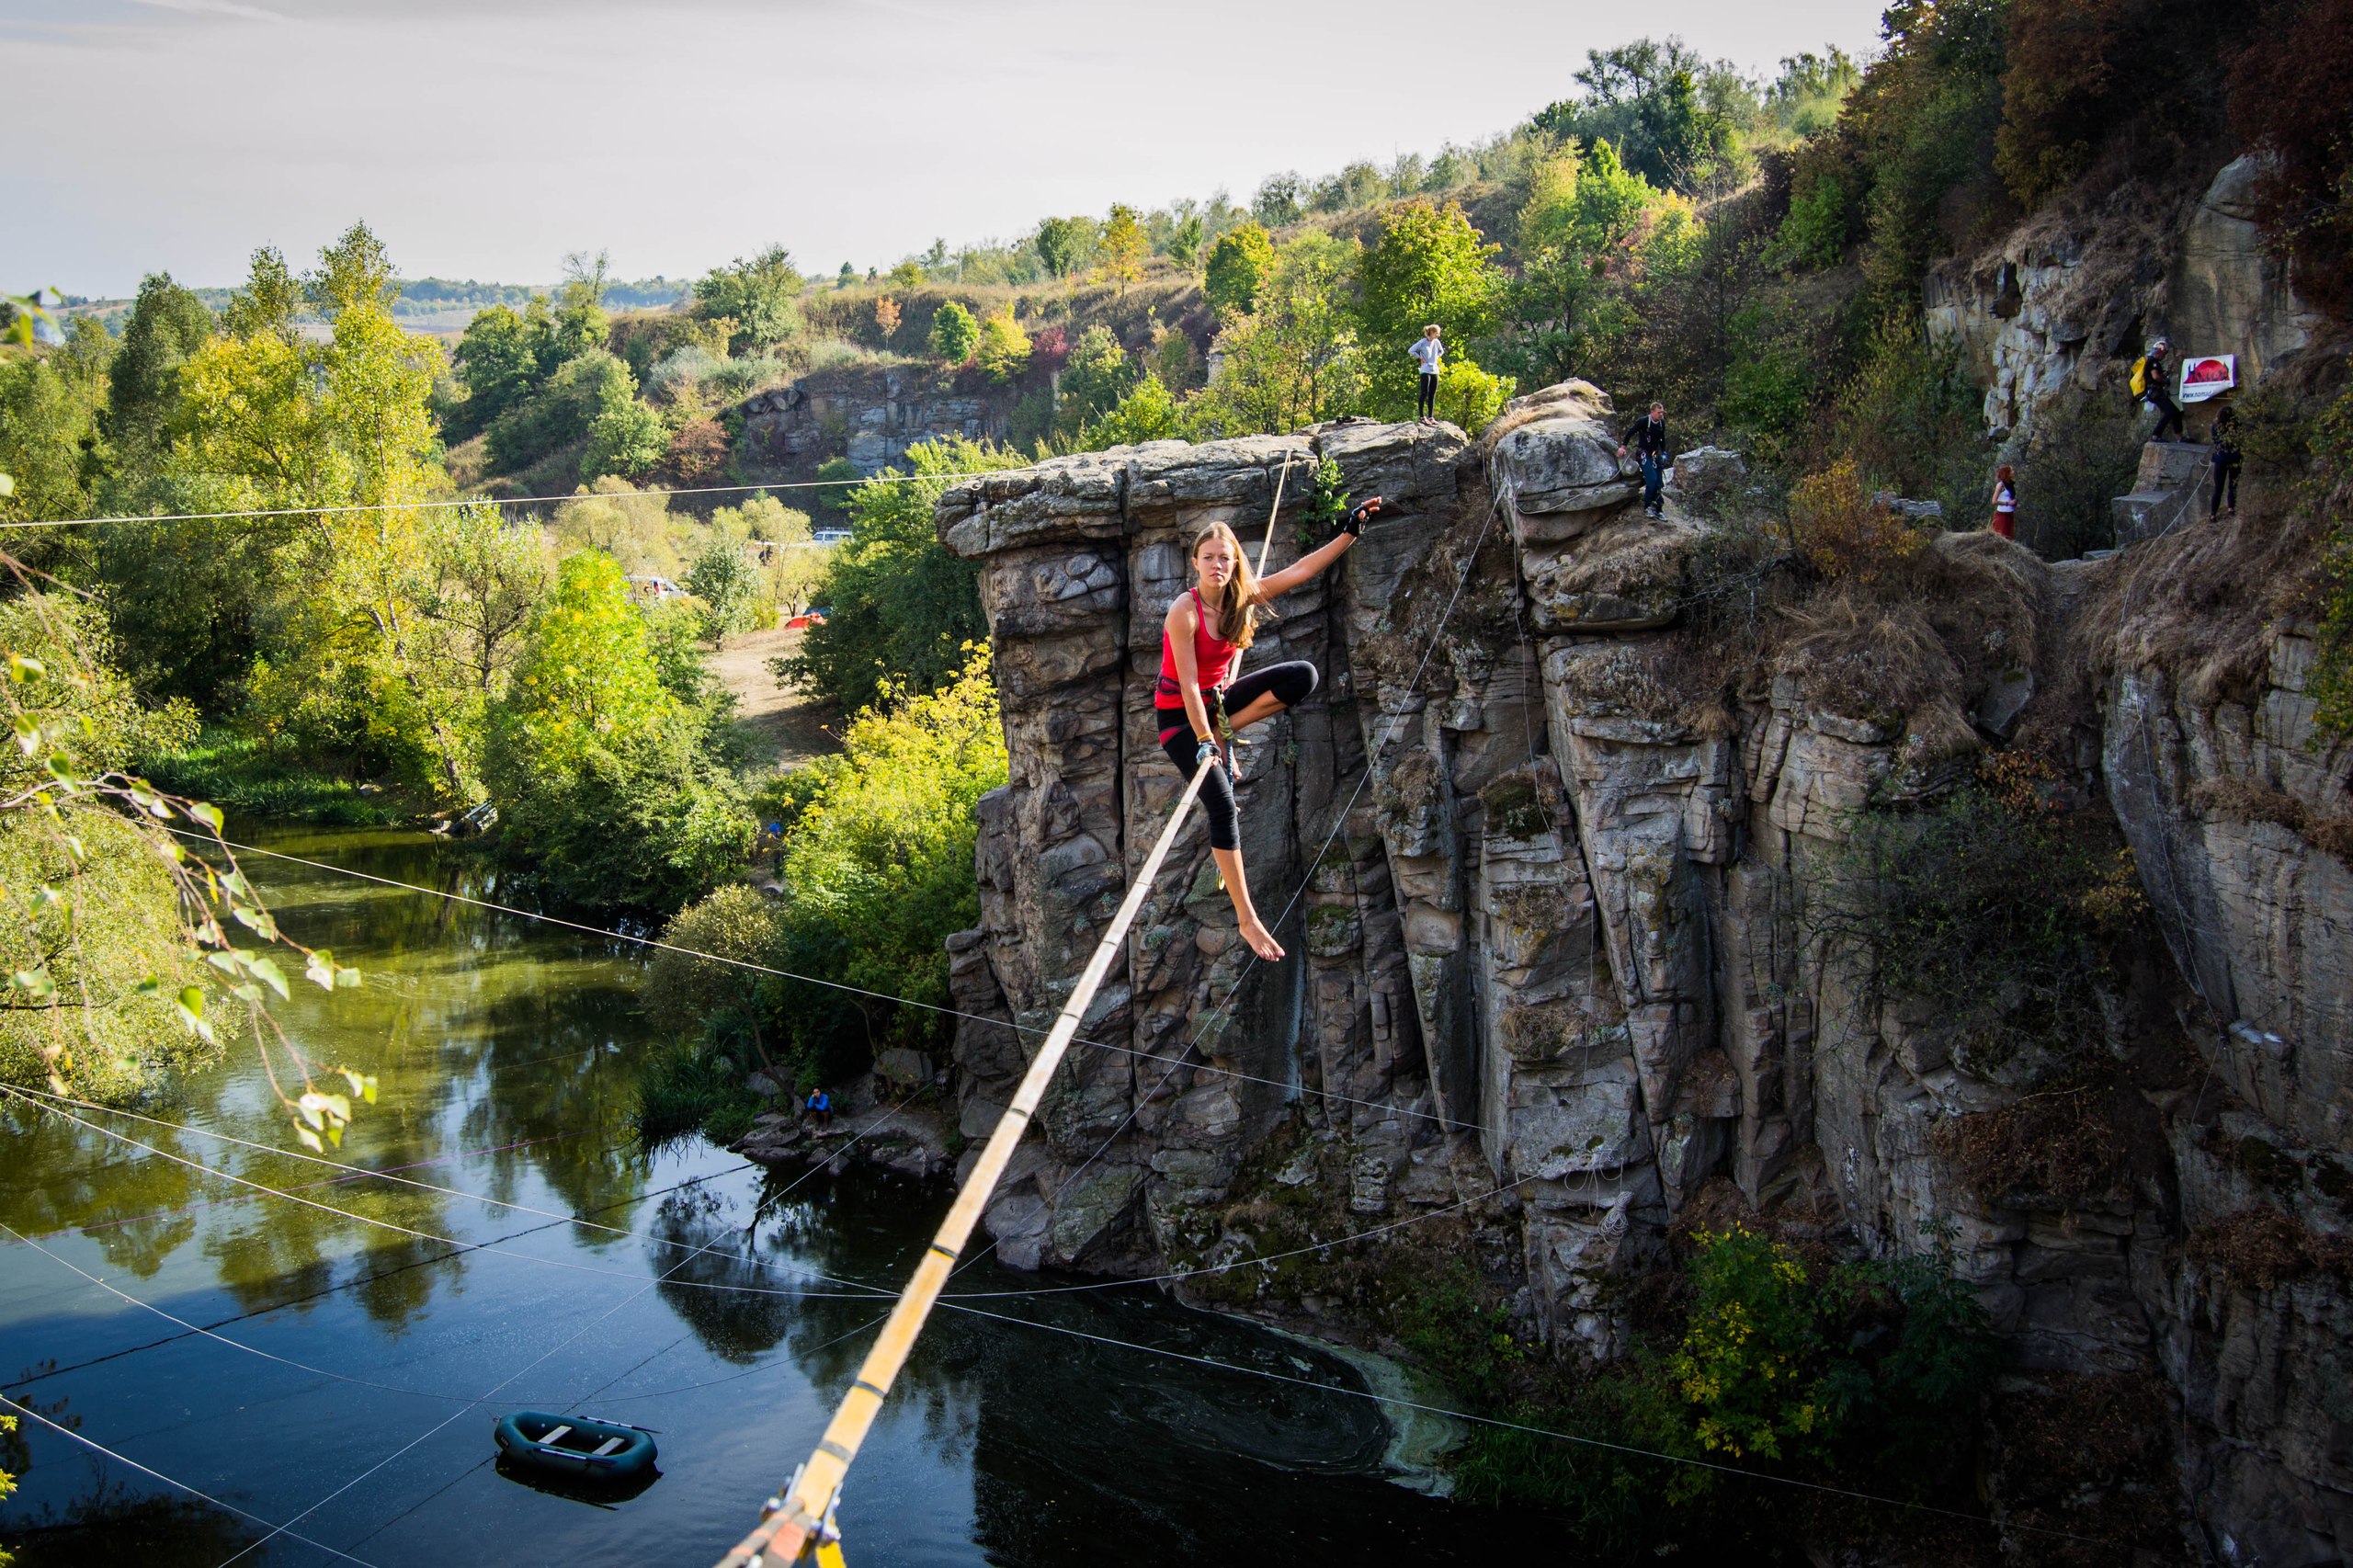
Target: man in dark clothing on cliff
(2226, 461)
(1647, 438)
(2156, 390)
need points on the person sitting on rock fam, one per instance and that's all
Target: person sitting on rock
(1647, 438)
(1197, 700)
(821, 1109)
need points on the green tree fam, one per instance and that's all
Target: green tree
(954, 333)
(1294, 361)
(760, 295)
(602, 783)
(898, 607)
(167, 323)
(1119, 252)
(1581, 232)
(1239, 266)
(1184, 241)
(497, 364)
(728, 588)
(1062, 244)
(1148, 413)
(1003, 350)
(1674, 116)
(876, 864)
(1429, 264)
(1095, 377)
(50, 440)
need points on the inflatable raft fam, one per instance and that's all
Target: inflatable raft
(577, 1446)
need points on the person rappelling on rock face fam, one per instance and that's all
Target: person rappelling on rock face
(1200, 703)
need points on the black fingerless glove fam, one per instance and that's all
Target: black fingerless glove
(1355, 521)
(1206, 751)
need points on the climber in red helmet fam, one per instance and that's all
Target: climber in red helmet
(1200, 703)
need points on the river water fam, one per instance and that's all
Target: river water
(561, 1271)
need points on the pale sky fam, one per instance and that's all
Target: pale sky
(487, 138)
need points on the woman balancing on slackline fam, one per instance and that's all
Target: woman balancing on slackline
(1197, 699)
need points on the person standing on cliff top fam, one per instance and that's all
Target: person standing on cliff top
(1197, 702)
(2006, 502)
(1652, 454)
(1426, 352)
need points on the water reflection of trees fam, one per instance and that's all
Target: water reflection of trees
(112, 1524)
(486, 1032)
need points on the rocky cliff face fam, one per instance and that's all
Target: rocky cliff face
(1547, 959)
(869, 414)
(2067, 299)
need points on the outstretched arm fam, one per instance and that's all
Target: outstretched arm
(1311, 565)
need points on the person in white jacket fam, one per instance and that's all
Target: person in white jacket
(1426, 352)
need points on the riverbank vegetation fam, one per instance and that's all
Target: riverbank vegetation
(873, 873)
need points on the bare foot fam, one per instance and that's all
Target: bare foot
(1265, 946)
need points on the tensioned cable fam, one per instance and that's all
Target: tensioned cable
(358, 1280)
(651, 1283)
(1536, 1431)
(780, 974)
(95, 1447)
(858, 1290)
(192, 1207)
(391, 1388)
(446, 504)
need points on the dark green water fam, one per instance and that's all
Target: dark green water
(504, 1049)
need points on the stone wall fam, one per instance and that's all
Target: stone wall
(1545, 939)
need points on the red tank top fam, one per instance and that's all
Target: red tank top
(1212, 659)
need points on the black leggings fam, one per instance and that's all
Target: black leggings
(2226, 478)
(1291, 683)
(2168, 414)
(1428, 401)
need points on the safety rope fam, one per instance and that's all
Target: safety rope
(447, 502)
(755, 968)
(199, 1493)
(1582, 1441)
(852, 1288)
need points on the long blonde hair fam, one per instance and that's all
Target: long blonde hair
(1239, 603)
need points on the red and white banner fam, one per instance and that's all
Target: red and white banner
(2207, 375)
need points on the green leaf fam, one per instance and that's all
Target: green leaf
(346, 979)
(28, 734)
(35, 983)
(22, 666)
(191, 1001)
(265, 970)
(312, 1108)
(311, 1137)
(207, 814)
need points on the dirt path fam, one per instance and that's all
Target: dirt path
(787, 729)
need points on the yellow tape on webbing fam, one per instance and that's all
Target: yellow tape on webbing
(792, 1526)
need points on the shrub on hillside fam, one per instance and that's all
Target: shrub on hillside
(2000, 914)
(1844, 534)
(898, 607)
(954, 333)
(877, 865)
